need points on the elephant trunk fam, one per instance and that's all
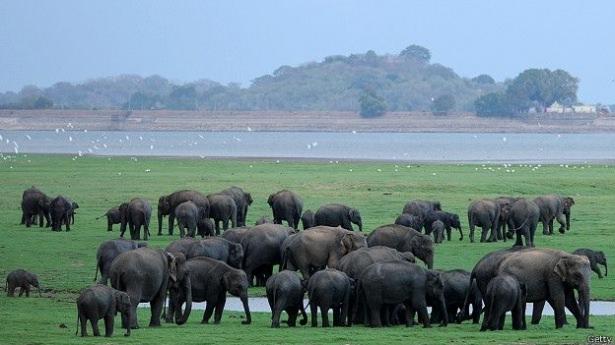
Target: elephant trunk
(584, 301)
(188, 294)
(606, 269)
(460, 233)
(360, 224)
(246, 308)
(444, 312)
(429, 262)
(128, 317)
(567, 220)
(159, 222)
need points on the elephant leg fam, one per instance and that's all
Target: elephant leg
(501, 322)
(156, 307)
(209, 310)
(225, 224)
(471, 233)
(419, 305)
(558, 303)
(336, 316)
(292, 317)
(108, 325)
(483, 234)
(572, 305)
(324, 313)
(277, 313)
(537, 312)
(545, 226)
(84, 324)
(95, 331)
(171, 222)
(219, 308)
(314, 314)
(561, 219)
(217, 226)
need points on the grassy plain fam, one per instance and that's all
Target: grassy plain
(65, 261)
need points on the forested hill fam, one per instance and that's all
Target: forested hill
(407, 81)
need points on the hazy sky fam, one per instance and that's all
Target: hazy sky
(42, 42)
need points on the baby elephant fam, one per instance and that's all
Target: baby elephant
(330, 289)
(595, 258)
(285, 293)
(101, 302)
(437, 228)
(504, 293)
(21, 279)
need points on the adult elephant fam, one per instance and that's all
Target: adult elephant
(554, 207)
(168, 203)
(318, 247)
(35, 203)
(338, 215)
(286, 205)
(522, 221)
(108, 251)
(404, 240)
(243, 200)
(356, 261)
(456, 286)
(215, 248)
(420, 207)
(222, 208)
(145, 274)
(262, 248)
(450, 220)
(484, 213)
(308, 219)
(549, 275)
(113, 217)
(60, 209)
(237, 234)
(409, 221)
(505, 203)
(136, 213)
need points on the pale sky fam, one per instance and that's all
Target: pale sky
(42, 42)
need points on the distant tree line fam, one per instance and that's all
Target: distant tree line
(368, 83)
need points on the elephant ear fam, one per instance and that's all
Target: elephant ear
(561, 268)
(172, 262)
(346, 244)
(122, 299)
(270, 200)
(249, 199)
(226, 280)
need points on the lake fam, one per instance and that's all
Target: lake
(410, 147)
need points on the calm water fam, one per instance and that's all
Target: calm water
(438, 147)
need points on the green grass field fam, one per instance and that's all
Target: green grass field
(65, 261)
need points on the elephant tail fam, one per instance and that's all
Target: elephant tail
(98, 264)
(78, 319)
(520, 226)
(464, 314)
(97, 218)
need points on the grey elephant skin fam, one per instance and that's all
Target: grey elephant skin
(60, 209)
(101, 302)
(262, 249)
(215, 248)
(456, 286)
(338, 215)
(191, 220)
(549, 275)
(318, 247)
(522, 221)
(437, 230)
(21, 279)
(505, 203)
(263, 220)
(286, 206)
(212, 280)
(409, 221)
(145, 274)
(243, 200)
(419, 208)
(136, 214)
(35, 203)
(108, 251)
(596, 257)
(450, 221)
(484, 213)
(113, 217)
(235, 235)
(554, 207)
(390, 283)
(168, 203)
(285, 293)
(330, 289)
(308, 219)
(404, 240)
(504, 293)
(222, 209)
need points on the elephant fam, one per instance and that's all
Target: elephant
(191, 218)
(549, 275)
(263, 220)
(109, 250)
(168, 203)
(308, 219)
(222, 208)
(595, 258)
(243, 200)
(450, 221)
(505, 203)
(330, 289)
(286, 205)
(145, 274)
(404, 240)
(71, 214)
(338, 215)
(522, 220)
(486, 214)
(456, 286)
(390, 283)
(21, 279)
(504, 293)
(437, 230)
(215, 248)
(35, 203)
(101, 302)
(318, 247)
(212, 279)
(419, 208)
(262, 248)
(554, 207)
(235, 235)
(410, 221)
(60, 209)
(285, 293)
(135, 213)
(113, 217)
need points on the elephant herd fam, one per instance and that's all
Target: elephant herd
(370, 279)
(56, 211)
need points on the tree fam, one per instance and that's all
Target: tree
(442, 104)
(42, 102)
(483, 79)
(416, 52)
(371, 105)
(493, 104)
(183, 98)
(542, 87)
